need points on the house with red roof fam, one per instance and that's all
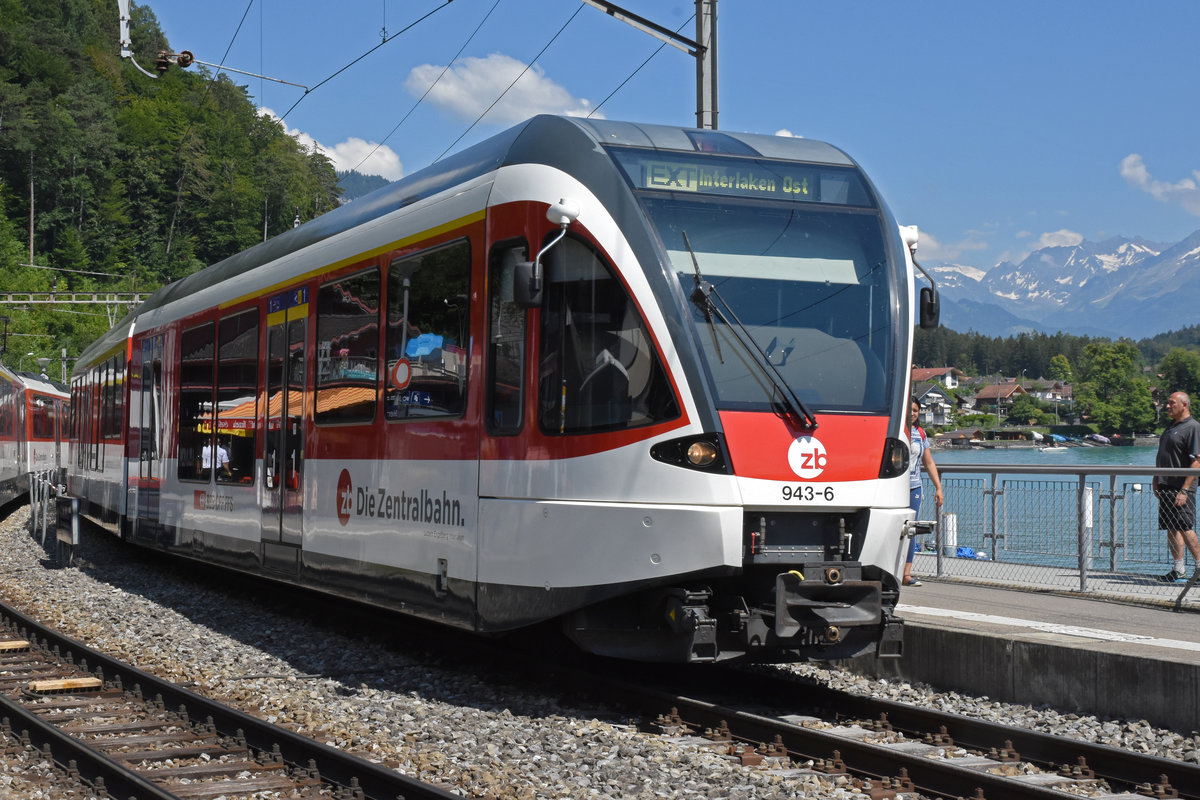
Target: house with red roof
(946, 376)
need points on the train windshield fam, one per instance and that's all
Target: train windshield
(801, 289)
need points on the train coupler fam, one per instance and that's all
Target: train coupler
(825, 607)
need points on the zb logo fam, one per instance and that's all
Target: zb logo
(345, 497)
(807, 457)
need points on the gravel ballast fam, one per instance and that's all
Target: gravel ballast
(410, 711)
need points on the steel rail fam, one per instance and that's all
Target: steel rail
(374, 781)
(875, 762)
(100, 772)
(1044, 749)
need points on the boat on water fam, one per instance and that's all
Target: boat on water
(1057, 448)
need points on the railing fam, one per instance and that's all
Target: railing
(1090, 530)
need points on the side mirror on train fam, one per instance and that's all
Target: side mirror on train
(527, 277)
(527, 292)
(930, 307)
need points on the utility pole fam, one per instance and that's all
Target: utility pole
(30, 206)
(706, 64)
(704, 49)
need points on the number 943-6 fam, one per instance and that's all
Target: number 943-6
(808, 493)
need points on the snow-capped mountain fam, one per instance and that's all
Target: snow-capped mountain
(1118, 287)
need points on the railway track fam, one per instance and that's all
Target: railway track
(885, 749)
(882, 747)
(125, 733)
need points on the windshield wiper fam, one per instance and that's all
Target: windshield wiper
(702, 295)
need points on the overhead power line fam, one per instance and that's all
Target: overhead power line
(364, 55)
(421, 99)
(511, 85)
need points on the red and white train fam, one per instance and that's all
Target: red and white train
(33, 427)
(645, 380)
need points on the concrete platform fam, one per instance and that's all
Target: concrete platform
(1089, 656)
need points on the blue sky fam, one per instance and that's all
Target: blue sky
(996, 128)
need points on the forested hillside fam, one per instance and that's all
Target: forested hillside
(111, 180)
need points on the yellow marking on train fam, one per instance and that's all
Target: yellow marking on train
(429, 233)
(797, 573)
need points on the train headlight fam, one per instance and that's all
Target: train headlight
(702, 454)
(704, 451)
(895, 458)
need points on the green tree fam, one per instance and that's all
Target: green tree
(1059, 368)
(1180, 370)
(1112, 394)
(1026, 410)
(131, 175)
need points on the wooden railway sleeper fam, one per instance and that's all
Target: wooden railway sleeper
(213, 769)
(212, 751)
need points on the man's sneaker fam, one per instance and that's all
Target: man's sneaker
(1172, 576)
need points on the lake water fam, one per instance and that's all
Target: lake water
(1072, 456)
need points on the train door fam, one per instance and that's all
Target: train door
(149, 430)
(283, 426)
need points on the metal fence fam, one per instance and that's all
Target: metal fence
(1084, 530)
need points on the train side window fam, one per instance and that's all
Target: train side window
(114, 398)
(150, 417)
(348, 349)
(43, 417)
(7, 396)
(107, 405)
(599, 369)
(91, 439)
(195, 400)
(505, 342)
(427, 305)
(96, 439)
(237, 398)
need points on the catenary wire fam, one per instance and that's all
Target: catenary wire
(510, 86)
(442, 74)
(631, 75)
(364, 55)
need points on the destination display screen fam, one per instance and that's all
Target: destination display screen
(702, 173)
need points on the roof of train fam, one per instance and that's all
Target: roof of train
(31, 380)
(546, 139)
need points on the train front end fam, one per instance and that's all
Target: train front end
(785, 286)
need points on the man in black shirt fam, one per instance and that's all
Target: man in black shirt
(1178, 447)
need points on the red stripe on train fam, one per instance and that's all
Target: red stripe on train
(843, 448)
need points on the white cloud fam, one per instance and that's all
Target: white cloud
(1185, 193)
(786, 132)
(347, 155)
(931, 249)
(1060, 238)
(473, 84)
